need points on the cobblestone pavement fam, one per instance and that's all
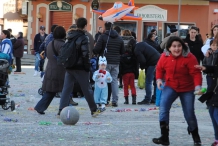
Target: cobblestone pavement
(133, 128)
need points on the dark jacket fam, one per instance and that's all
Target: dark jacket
(128, 64)
(212, 93)
(211, 60)
(146, 55)
(47, 40)
(154, 45)
(115, 47)
(54, 75)
(83, 58)
(195, 48)
(38, 42)
(18, 48)
(91, 44)
(13, 39)
(97, 35)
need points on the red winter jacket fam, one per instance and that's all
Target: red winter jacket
(180, 73)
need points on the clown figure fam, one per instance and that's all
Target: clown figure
(101, 78)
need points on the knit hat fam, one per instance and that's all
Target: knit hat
(172, 30)
(102, 60)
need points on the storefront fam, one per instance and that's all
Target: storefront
(46, 13)
(161, 15)
(157, 14)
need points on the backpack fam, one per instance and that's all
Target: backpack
(126, 42)
(69, 52)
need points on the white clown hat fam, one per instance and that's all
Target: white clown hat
(102, 60)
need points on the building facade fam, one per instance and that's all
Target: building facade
(158, 14)
(11, 17)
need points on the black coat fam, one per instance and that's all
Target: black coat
(83, 58)
(128, 64)
(195, 48)
(154, 45)
(115, 47)
(212, 93)
(146, 55)
(97, 35)
(38, 42)
(18, 48)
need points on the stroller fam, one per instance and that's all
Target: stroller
(40, 91)
(4, 101)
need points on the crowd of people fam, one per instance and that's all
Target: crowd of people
(172, 65)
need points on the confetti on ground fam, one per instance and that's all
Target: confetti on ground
(129, 109)
(10, 120)
(31, 109)
(44, 123)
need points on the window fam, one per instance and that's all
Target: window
(117, 5)
(183, 28)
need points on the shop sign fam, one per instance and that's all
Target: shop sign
(95, 5)
(60, 6)
(151, 13)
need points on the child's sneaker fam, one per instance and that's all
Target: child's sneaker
(102, 109)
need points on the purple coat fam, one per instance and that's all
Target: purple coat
(18, 48)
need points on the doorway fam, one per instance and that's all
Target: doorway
(148, 26)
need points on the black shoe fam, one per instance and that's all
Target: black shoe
(120, 86)
(58, 114)
(152, 102)
(143, 102)
(126, 100)
(114, 104)
(164, 139)
(73, 103)
(133, 99)
(41, 113)
(195, 136)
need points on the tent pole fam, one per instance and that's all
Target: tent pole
(179, 14)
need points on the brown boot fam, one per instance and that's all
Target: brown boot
(73, 103)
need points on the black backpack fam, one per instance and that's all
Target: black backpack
(69, 52)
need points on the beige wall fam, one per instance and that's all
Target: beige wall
(11, 18)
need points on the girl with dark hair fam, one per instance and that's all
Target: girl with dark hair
(214, 31)
(6, 45)
(176, 65)
(18, 51)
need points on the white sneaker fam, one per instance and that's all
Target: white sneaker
(35, 73)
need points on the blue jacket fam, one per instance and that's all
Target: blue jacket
(7, 41)
(38, 42)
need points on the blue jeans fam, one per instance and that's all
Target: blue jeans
(148, 82)
(37, 61)
(187, 100)
(209, 81)
(214, 117)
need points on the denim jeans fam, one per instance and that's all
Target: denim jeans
(213, 111)
(37, 61)
(187, 100)
(148, 82)
(209, 81)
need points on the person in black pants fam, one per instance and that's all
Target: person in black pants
(18, 51)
